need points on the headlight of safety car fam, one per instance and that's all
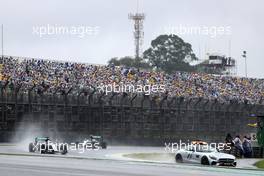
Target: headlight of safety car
(213, 157)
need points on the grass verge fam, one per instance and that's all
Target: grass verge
(260, 164)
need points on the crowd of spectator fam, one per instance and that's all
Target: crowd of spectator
(243, 147)
(46, 76)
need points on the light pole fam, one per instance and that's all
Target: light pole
(2, 31)
(245, 56)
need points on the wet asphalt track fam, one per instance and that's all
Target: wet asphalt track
(15, 161)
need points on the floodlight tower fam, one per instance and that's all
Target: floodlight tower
(138, 19)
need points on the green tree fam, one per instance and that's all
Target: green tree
(127, 61)
(170, 53)
(114, 61)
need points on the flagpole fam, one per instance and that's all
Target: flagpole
(245, 57)
(2, 42)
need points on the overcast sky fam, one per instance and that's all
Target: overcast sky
(114, 37)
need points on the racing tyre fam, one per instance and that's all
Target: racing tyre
(63, 150)
(103, 145)
(205, 161)
(31, 147)
(42, 149)
(178, 158)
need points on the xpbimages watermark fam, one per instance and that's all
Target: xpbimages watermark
(52, 147)
(130, 88)
(211, 31)
(78, 30)
(173, 147)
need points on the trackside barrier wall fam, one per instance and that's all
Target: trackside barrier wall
(121, 119)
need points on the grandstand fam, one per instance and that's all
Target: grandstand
(64, 97)
(48, 76)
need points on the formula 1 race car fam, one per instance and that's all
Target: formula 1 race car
(44, 145)
(204, 155)
(95, 142)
